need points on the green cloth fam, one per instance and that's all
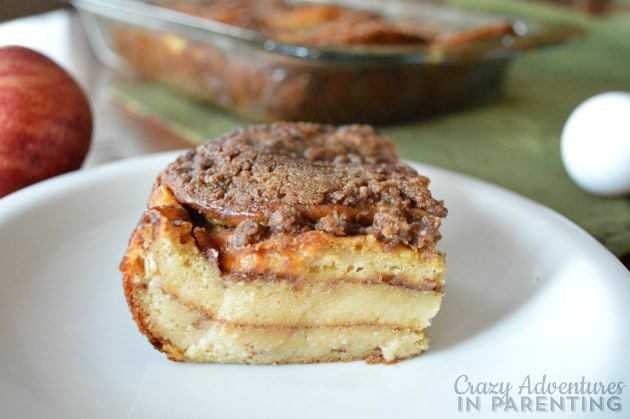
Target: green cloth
(513, 141)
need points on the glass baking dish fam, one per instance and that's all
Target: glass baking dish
(261, 77)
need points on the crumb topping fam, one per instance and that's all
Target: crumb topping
(295, 177)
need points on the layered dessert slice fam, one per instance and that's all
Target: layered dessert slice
(288, 243)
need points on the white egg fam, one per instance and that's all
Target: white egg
(595, 144)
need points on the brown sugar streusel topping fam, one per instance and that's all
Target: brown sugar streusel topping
(295, 177)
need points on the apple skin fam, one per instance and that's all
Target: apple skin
(45, 119)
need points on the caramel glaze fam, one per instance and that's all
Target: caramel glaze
(219, 246)
(294, 177)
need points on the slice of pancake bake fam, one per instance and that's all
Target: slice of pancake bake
(288, 243)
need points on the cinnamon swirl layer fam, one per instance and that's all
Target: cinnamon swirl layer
(198, 299)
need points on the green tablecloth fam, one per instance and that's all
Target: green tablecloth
(513, 141)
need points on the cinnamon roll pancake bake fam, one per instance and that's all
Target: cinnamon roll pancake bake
(288, 243)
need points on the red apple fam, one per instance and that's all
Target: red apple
(45, 119)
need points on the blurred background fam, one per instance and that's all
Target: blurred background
(11, 9)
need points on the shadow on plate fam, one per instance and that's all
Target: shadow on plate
(494, 266)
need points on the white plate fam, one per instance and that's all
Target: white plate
(530, 296)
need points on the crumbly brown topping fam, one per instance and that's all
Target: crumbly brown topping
(295, 177)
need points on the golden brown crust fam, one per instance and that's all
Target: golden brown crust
(132, 268)
(325, 25)
(307, 23)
